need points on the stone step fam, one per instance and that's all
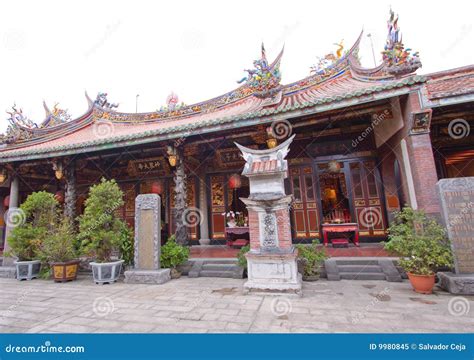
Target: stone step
(360, 269)
(220, 267)
(362, 276)
(356, 262)
(219, 274)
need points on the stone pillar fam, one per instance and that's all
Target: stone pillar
(70, 196)
(271, 261)
(204, 223)
(146, 268)
(8, 269)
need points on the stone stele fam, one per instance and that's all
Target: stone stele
(147, 243)
(457, 210)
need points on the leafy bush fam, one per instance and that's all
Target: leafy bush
(242, 260)
(100, 230)
(126, 245)
(312, 258)
(173, 254)
(41, 213)
(59, 245)
(420, 242)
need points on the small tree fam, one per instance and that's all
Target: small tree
(58, 245)
(40, 213)
(420, 242)
(100, 230)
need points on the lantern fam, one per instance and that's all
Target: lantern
(59, 196)
(6, 201)
(271, 143)
(157, 187)
(334, 167)
(58, 169)
(235, 181)
(3, 175)
(172, 160)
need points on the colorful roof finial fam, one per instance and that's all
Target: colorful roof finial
(172, 100)
(264, 79)
(327, 62)
(101, 101)
(398, 60)
(20, 127)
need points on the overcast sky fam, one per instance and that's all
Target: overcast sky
(55, 50)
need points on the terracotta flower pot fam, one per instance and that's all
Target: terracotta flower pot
(65, 271)
(175, 274)
(422, 284)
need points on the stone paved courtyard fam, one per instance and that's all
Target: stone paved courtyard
(218, 305)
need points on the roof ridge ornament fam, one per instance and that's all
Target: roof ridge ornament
(327, 63)
(264, 79)
(101, 101)
(398, 60)
(20, 128)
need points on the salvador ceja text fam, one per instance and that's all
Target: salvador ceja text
(418, 346)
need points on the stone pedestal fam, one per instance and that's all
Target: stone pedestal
(457, 210)
(271, 261)
(147, 243)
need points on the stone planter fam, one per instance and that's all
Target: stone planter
(175, 274)
(311, 277)
(106, 272)
(27, 270)
(65, 271)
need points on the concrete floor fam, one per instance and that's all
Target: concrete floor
(217, 305)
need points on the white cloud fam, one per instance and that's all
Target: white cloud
(54, 50)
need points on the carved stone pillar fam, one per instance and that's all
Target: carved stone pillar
(180, 201)
(70, 196)
(14, 198)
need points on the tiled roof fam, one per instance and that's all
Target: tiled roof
(451, 84)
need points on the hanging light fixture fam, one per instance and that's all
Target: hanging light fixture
(271, 141)
(172, 156)
(58, 169)
(157, 187)
(334, 167)
(59, 196)
(3, 175)
(235, 181)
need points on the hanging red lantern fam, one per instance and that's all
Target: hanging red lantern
(235, 181)
(157, 187)
(59, 196)
(6, 201)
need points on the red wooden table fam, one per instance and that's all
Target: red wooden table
(340, 228)
(236, 230)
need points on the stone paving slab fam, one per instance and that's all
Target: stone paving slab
(216, 305)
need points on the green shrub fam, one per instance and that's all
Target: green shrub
(242, 260)
(100, 230)
(173, 254)
(312, 258)
(420, 242)
(59, 244)
(41, 212)
(126, 245)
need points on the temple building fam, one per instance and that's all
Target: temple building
(367, 141)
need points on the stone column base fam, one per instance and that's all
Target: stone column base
(275, 273)
(147, 276)
(459, 284)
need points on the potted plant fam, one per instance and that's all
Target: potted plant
(312, 259)
(37, 215)
(241, 259)
(422, 246)
(172, 255)
(59, 251)
(101, 232)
